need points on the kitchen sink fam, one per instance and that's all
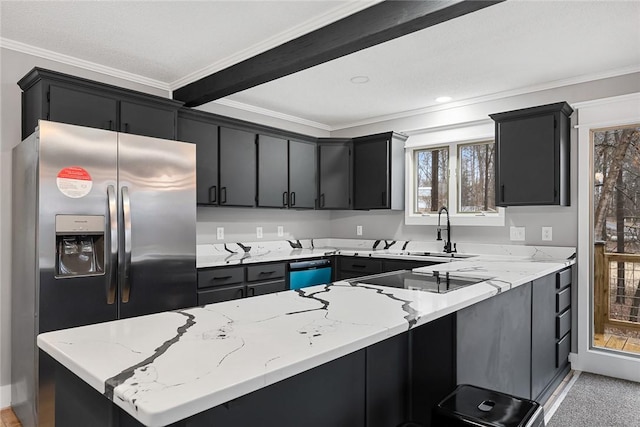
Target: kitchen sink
(435, 282)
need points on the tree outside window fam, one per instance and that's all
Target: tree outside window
(432, 179)
(476, 177)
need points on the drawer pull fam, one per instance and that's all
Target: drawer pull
(358, 266)
(221, 278)
(267, 272)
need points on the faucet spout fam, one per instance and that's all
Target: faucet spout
(448, 247)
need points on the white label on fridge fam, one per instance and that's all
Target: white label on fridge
(74, 182)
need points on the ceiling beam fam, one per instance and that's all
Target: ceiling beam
(377, 24)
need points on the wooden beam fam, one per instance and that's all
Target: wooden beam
(377, 24)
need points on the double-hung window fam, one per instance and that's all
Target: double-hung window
(456, 174)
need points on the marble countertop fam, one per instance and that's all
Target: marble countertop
(165, 367)
(224, 254)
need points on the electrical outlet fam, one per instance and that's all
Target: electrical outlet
(359, 230)
(259, 232)
(516, 233)
(547, 233)
(280, 231)
(220, 233)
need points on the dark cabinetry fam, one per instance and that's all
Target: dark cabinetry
(227, 283)
(198, 129)
(352, 267)
(532, 156)
(378, 171)
(550, 329)
(286, 173)
(334, 174)
(63, 98)
(494, 343)
(237, 167)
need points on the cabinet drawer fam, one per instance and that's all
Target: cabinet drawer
(563, 347)
(361, 265)
(225, 293)
(264, 272)
(220, 277)
(563, 324)
(563, 300)
(266, 288)
(563, 279)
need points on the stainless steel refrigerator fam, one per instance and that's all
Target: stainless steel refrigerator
(103, 229)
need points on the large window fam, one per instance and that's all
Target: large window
(458, 175)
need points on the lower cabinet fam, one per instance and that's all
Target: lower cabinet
(228, 283)
(494, 343)
(352, 267)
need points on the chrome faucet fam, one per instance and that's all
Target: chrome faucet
(447, 243)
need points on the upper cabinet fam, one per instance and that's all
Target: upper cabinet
(532, 156)
(378, 171)
(197, 128)
(334, 170)
(237, 167)
(286, 173)
(62, 98)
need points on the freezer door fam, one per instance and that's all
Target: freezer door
(157, 223)
(77, 166)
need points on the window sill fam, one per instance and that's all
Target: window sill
(489, 220)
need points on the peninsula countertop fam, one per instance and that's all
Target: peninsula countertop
(165, 367)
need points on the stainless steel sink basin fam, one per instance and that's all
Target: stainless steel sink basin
(441, 254)
(428, 282)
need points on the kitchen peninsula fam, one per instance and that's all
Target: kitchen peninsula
(324, 355)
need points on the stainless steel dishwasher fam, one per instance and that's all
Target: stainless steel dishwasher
(309, 273)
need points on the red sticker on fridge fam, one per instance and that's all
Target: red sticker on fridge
(74, 182)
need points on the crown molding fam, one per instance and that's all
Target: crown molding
(303, 28)
(271, 113)
(492, 97)
(81, 63)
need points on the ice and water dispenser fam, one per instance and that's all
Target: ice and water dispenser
(79, 245)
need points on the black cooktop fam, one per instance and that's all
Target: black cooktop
(437, 282)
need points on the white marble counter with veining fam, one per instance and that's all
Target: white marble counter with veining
(165, 367)
(222, 254)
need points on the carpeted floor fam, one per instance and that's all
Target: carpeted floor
(599, 401)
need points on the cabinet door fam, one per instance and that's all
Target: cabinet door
(256, 289)
(494, 343)
(527, 161)
(272, 172)
(82, 108)
(141, 119)
(543, 333)
(302, 175)
(205, 136)
(371, 172)
(335, 176)
(220, 294)
(237, 167)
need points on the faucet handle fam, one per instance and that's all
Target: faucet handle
(455, 249)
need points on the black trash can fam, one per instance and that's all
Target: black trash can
(475, 406)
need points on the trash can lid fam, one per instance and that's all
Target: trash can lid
(487, 407)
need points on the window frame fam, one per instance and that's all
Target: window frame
(451, 137)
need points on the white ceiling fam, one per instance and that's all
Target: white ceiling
(506, 47)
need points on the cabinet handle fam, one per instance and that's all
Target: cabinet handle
(126, 127)
(213, 190)
(242, 295)
(322, 200)
(223, 195)
(110, 124)
(502, 192)
(220, 278)
(253, 292)
(293, 198)
(285, 198)
(267, 272)
(384, 198)
(358, 266)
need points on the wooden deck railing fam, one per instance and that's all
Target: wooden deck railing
(602, 286)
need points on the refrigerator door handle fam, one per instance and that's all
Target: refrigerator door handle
(112, 244)
(125, 286)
